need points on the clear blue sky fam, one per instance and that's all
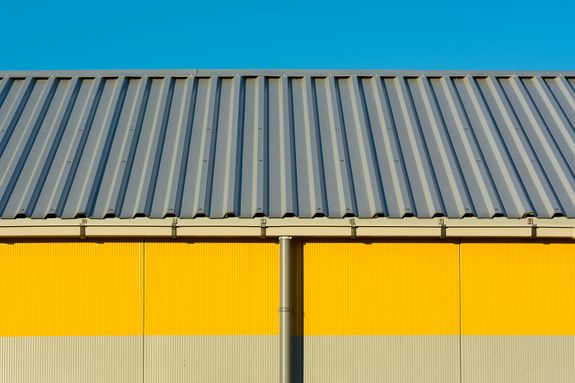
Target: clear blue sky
(507, 35)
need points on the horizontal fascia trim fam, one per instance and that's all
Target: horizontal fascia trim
(297, 227)
(276, 73)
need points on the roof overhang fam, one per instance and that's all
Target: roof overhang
(441, 228)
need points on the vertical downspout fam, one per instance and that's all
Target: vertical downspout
(285, 311)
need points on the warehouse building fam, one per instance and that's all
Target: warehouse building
(287, 226)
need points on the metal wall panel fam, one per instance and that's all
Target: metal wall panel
(476, 311)
(381, 288)
(518, 312)
(377, 358)
(211, 312)
(70, 288)
(71, 359)
(517, 288)
(212, 358)
(207, 288)
(518, 358)
(333, 143)
(71, 312)
(381, 311)
(127, 311)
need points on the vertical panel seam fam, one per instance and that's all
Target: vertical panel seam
(240, 138)
(106, 150)
(63, 124)
(163, 126)
(292, 149)
(186, 152)
(212, 146)
(364, 114)
(490, 195)
(131, 155)
(46, 101)
(77, 156)
(399, 152)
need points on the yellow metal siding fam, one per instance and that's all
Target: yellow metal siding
(518, 288)
(70, 289)
(381, 288)
(206, 288)
(349, 288)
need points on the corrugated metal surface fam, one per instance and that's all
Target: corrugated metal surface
(517, 312)
(473, 311)
(211, 312)
(212, 358)
(518, 359)
(517, 288)
(71, 312)
(219, 143)
(381, 288)
(71, 289)
(206, 288)
(71, 359)
(376, 311)
(127, 311)
(376, 359)
(381, 312)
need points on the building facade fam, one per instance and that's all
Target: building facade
(287, 226)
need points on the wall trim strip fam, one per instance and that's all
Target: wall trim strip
(562, 228)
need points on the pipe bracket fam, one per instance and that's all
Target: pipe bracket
(263, 228)
(83, 224)
(174, 228)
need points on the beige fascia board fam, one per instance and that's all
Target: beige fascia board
(32, 228)
(296, 227)
(308, 227)
(39, 231)
(224, 227)
(555, 232)
(127, 231)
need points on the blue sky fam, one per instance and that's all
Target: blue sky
(361, 34)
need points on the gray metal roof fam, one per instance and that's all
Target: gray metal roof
(286, 143)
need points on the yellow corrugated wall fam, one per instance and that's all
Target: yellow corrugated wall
(381, 288)
(518, 288)
(89, 288)
(401, 311)
(507, 288)
(208, 288)
(70, 288)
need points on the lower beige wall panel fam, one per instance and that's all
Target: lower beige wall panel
(366, 359)
(71, 359)
(518, 359)
(211, 358)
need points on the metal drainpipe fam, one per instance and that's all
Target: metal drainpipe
(285, 311)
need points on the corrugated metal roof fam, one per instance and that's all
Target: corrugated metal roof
(272, 143)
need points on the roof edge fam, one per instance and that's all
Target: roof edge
(277, 72)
